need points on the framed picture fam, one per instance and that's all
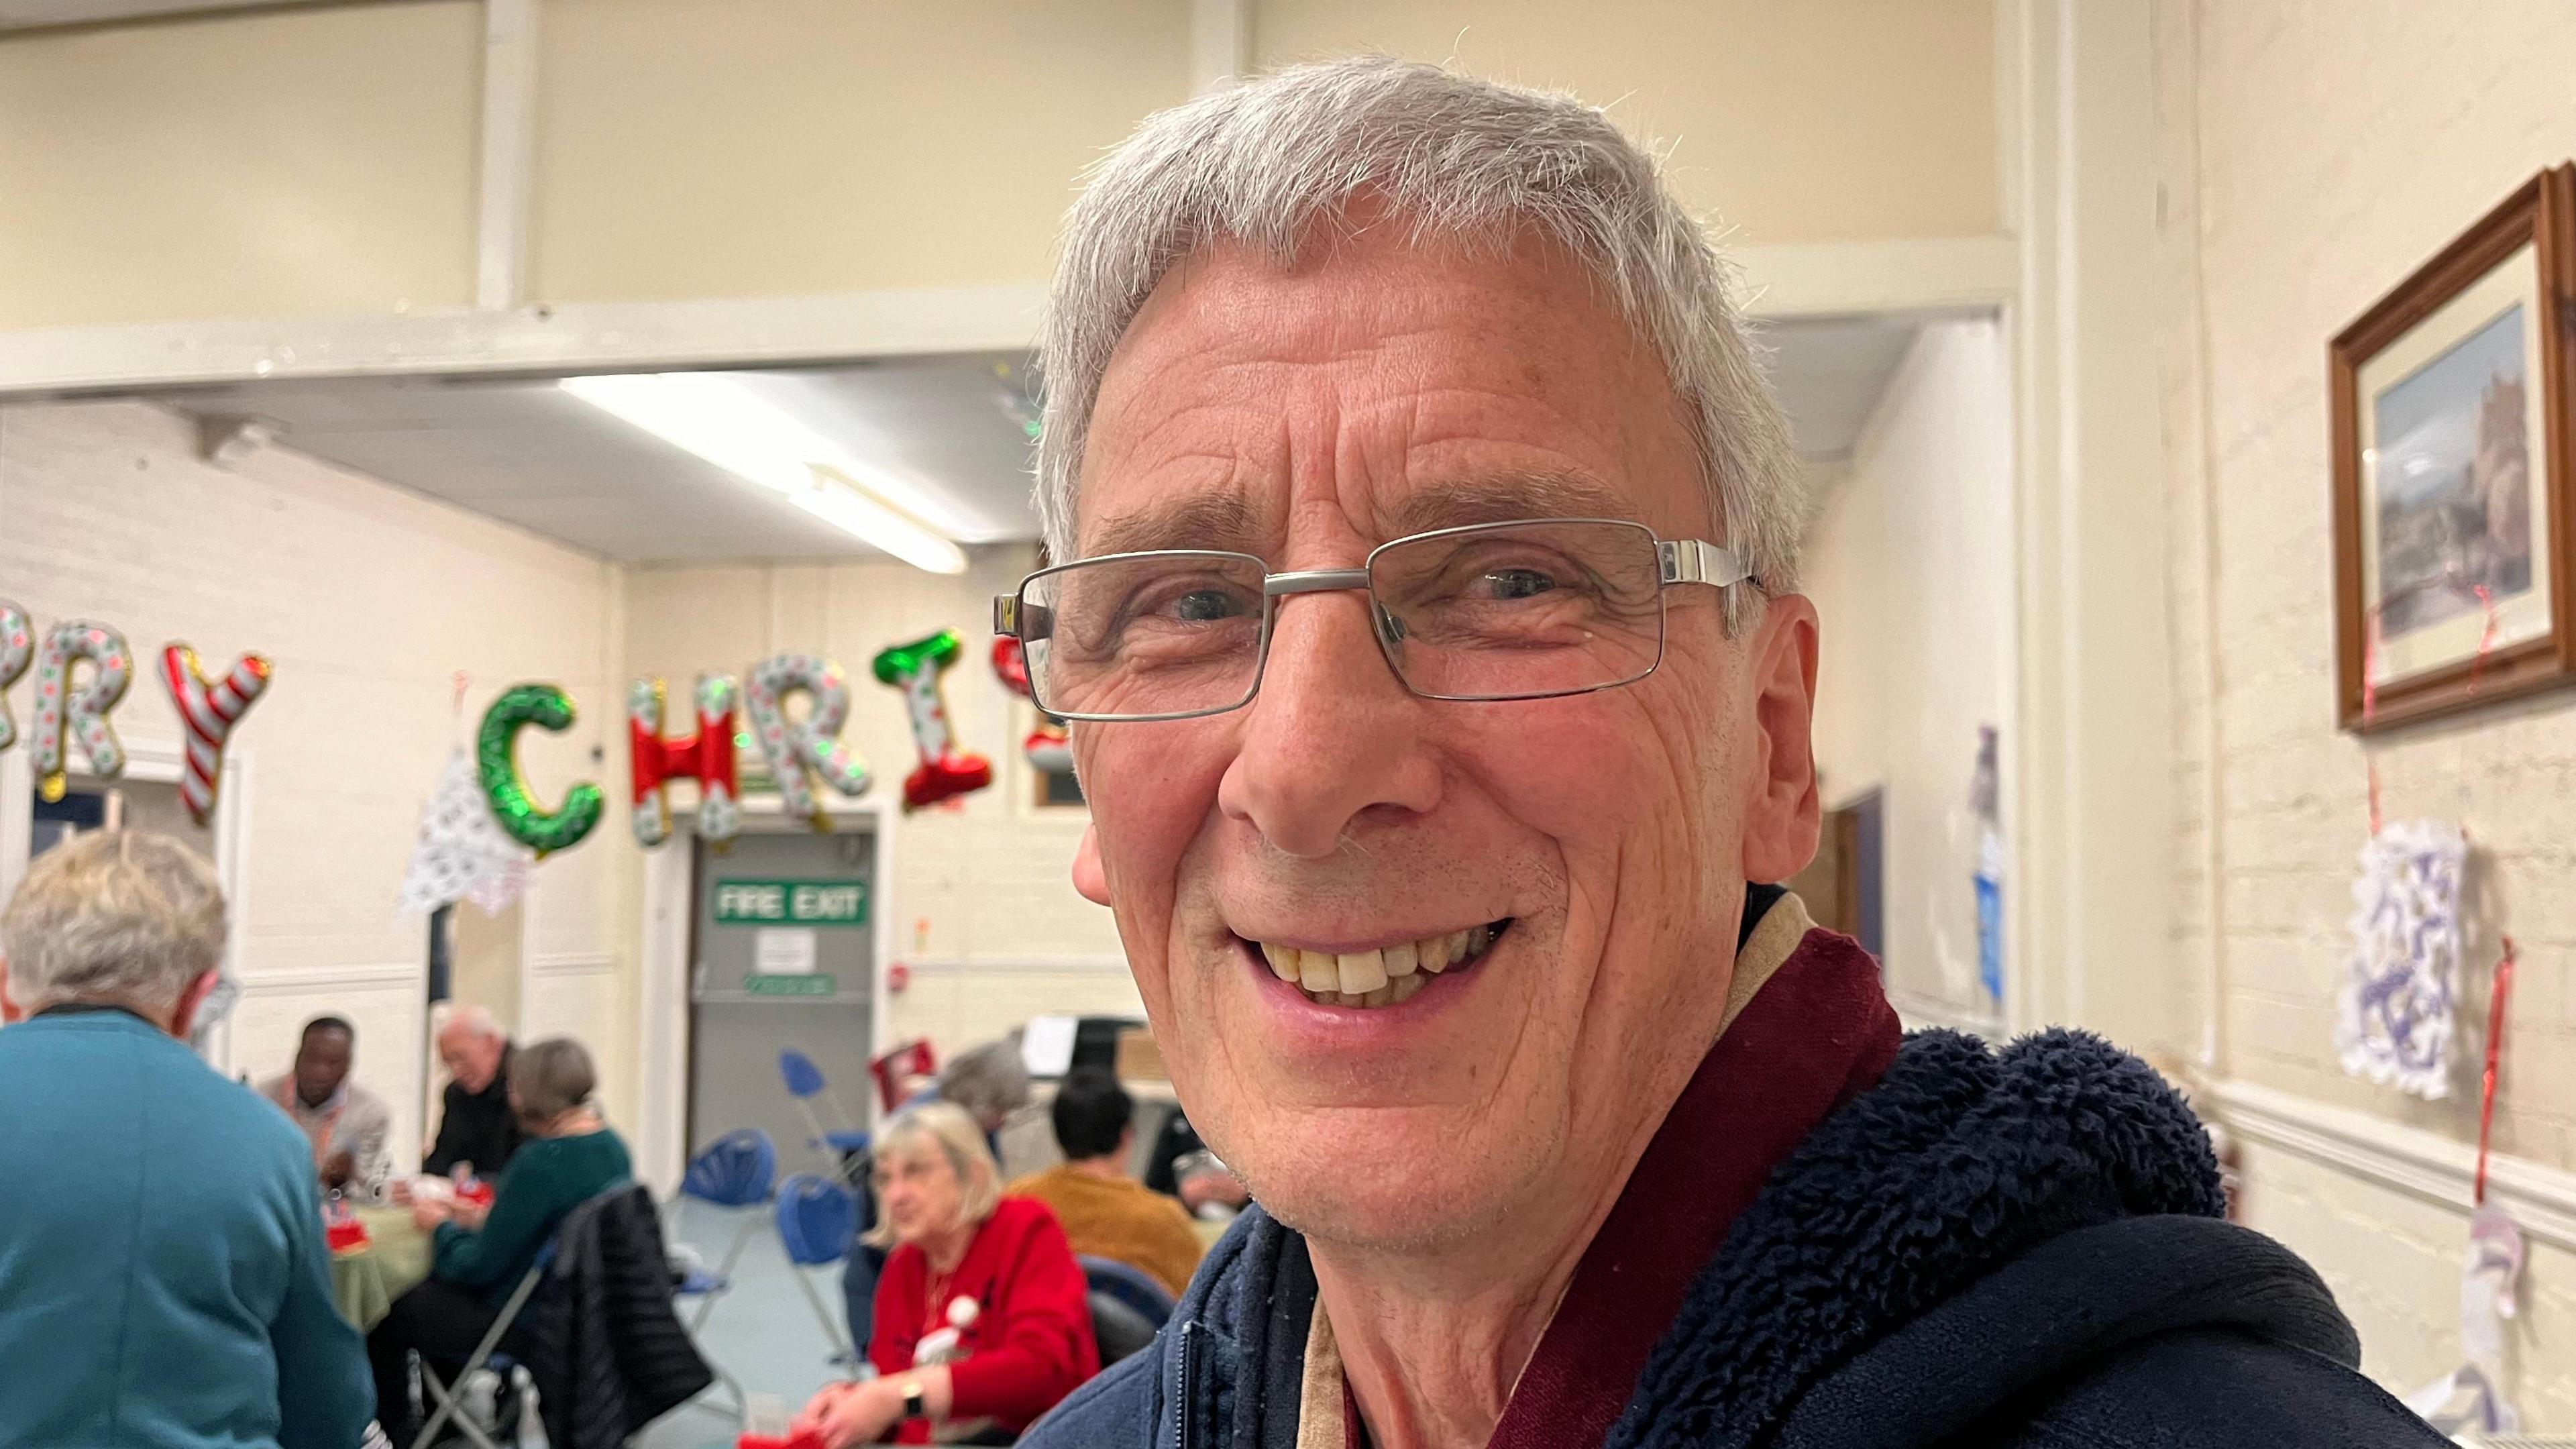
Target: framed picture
(2452, 508)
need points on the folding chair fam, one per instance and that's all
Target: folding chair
(818, 1218)
(734, 1172)
(845, 1147)
(450, 1396)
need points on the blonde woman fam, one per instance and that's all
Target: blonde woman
(982, 1319)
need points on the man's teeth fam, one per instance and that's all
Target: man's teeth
(1375, 978)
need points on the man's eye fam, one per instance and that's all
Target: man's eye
(1201, 606)
(1511, 584)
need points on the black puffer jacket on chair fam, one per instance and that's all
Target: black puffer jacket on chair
(603, 1343)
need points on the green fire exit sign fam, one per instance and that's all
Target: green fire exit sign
(792, 902)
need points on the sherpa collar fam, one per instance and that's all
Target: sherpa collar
(1959, 1161)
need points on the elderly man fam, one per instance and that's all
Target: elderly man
(476, 1128)
(1443, 700)
(163, 1279)
(346, 1123)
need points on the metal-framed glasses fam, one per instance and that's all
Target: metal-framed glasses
(1532, 609)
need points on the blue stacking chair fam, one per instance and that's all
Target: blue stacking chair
(736, 1172)
(818, 1220)
(844, 1147)
(1130, 1285)
(1128, 1307)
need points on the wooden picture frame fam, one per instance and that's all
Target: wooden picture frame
(2453, 584)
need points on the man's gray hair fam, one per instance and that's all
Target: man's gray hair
(1461, 159)
(123, 917)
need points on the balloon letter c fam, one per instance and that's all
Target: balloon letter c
(497, 758)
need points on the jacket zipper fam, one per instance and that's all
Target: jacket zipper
(1181, 1388)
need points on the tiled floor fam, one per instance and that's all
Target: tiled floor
(762, 1332)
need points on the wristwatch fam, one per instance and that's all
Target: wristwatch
(913, 1407)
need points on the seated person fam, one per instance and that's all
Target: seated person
(983, 1320)
(346, 1123)
(476, 1127)
(992, 1084)
(164, 1280)
(1106, 1213)
(569, 1157)
(1181, 1165)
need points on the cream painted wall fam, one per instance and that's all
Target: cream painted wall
(325, 160)
(318, 160)
(366, 599)
(1828, 120)
(982, 902)
(2315, 156)
(696, 149)
(1910, 564)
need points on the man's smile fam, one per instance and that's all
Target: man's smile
(1376, 976)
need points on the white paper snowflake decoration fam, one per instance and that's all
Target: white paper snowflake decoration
(2401, 987)
(462, 854)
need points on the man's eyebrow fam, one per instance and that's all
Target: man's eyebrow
(1505, 498)
(1206, 520)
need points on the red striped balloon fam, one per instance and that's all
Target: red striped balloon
(209, 711)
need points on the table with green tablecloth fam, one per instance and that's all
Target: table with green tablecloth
(395, 1259)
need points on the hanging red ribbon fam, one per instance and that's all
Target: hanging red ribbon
(2495, 1049)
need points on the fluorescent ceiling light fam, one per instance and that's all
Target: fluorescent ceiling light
(721, 419)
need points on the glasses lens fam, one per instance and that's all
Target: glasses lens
(1156, 634)
(1522, 610)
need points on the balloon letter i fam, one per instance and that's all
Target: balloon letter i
(915, 668)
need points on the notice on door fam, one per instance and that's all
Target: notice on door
(791, 902)
(787, 951)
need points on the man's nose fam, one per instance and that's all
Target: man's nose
(1332, 737)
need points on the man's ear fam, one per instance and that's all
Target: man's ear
(1088, 876)
(183, 1016)
(1782, 813)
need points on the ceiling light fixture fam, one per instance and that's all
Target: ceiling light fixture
(719, 418)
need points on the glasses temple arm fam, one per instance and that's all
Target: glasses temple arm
(1696, 561)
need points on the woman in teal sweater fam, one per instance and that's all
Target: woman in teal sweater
(570, 1157)
(163, 1279)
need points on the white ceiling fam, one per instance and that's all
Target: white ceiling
(529, 454)
(1829, 372)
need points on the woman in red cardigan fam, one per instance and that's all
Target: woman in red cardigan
(983, 1320)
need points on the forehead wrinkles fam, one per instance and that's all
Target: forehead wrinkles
(1319, 396)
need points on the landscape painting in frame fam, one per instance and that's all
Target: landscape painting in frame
(2451, 495)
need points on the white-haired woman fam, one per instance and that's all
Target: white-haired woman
(982, 1319)
(164, 1280)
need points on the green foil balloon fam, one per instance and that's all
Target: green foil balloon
(496, 755)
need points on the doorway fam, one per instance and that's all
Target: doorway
(782, 956)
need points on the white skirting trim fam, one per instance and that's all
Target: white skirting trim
(583, 963)
(405, 974)
(2409, 1159)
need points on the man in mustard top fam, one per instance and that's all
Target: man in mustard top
(1106, 1213)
